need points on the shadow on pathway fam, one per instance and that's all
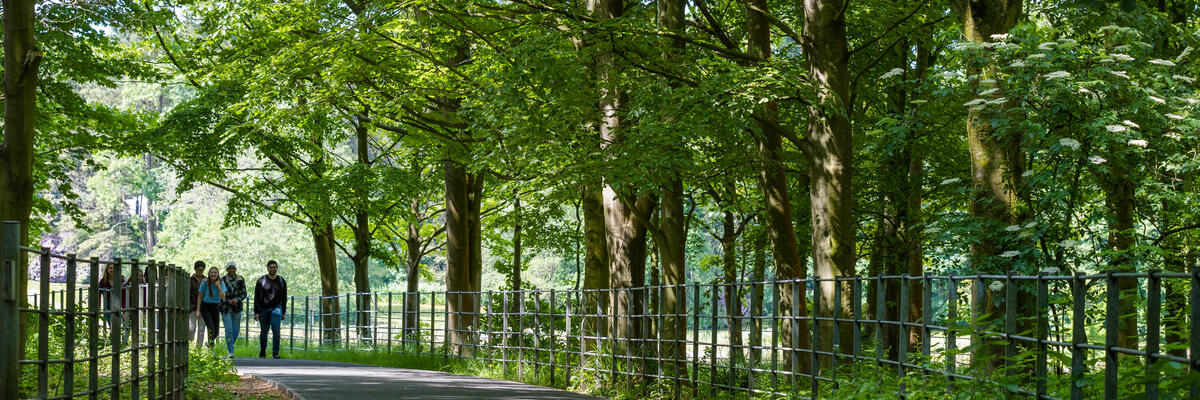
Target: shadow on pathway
(316, 380)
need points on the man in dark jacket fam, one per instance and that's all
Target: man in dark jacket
(270, 303)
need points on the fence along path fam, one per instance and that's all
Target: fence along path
(128, 342)
(1046, 347)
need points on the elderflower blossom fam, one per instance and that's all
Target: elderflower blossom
(1058, 74)
(1120, 74)
(1187, 79)
(932, 229)
(1158, 100)
(1123, 57)
(1005, 46)
(997, 286)
(989, 91)
(1115, 128)
(1065, 43)
(1050, 270)
(1047, 46)
(1174, 116)
(1033, 56)
(1010, 253)
(1012, 228)
(1107, 28)
(987, 82)
(892, 73)
(1027, 174)
(1138, 142)
(975, 102)
(951, 180)
(1000, 37)
(1017, 64)
(1186, 51)
(1130, 124)
(998, 101)
(1097, 160)
(1068, 142)
(961, 46)
(1158, 61)
(1174, 135)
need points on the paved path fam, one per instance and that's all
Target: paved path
(317, 380)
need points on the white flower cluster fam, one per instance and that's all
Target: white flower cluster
(1000, 37)
(1097, 160)
(961, 46)
(1158, 61)
(890, 74)
(1115, 128)
(1120, 74)
(1058, 74)
(1010, 254)
(1035, 56)
(996, 286)
(1050, 270)
(1138, 142)
(1187, 79)
(1017, 64)
(989, 91)
(1130, 124)
(1123, 57)
(1068, 142)
(1158, 100)
(1012, 228)
(1186, 51)
(1047, 46)
(951, 180)
(1175, 116)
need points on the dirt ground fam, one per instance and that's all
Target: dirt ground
(249, 388)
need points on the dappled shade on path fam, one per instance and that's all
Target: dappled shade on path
(315, 380)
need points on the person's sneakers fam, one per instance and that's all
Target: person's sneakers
(276, 356)
(262, 355)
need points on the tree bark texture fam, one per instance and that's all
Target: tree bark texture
(463, 266)
(362, 238)
(672, 222)
(327, 264)
(595, 275)
(996, 168)
(830, 160)
(777, 203)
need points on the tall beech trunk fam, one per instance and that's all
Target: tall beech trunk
(672, 221)
(595, 271)
(21, 60)
(733, 298)
(327, 264)
(362, 237)
(778, 206)
(516, 305)
(412, 276)
(757, 274)
(463, 266)
(830, 160)
(1119, 192)
(996, 168)
(627, 265)
(898, 241)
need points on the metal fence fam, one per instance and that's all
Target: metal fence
(1047, 336)
(84, 341)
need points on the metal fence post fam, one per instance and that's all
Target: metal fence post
(1043, 331)
(902, 331)
(1010, 319)
(1195, 339)
(1153, 317)
(43, 321)
(1078, 289)
(114, 334)
(1112, 318)
(93, 325)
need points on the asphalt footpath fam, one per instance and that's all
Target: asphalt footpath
(320, 380)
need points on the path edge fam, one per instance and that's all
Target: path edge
(281, 387)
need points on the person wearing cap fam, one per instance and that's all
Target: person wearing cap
(231, 308)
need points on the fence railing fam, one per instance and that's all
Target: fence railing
(129, 341)
(1045, 336)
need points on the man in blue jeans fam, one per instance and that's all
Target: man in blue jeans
(270, 303)
(231, 308)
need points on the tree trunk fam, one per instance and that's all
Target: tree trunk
(627, 264)
(996, 168)
(773, 182)
(515, 307)
(1119, 201)
(412, 276)
(733, 297)
(21, 60)
(327, 264)
(672, 247)
(595, 277)
(362, 238)
(462, 249)
(758, 274)
(830, 160)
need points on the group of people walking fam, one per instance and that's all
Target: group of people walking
(217, 299)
